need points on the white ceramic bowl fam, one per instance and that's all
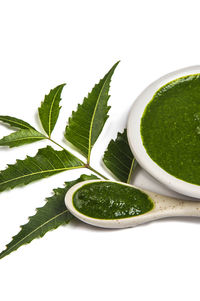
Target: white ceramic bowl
(135, 140)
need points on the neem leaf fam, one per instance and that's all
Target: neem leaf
(52, 215)
(46, 162)
(50, 109)
(21, 137)
(87, 122)
(17, 123)
(119, 159)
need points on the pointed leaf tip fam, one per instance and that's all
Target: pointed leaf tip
(16, 122)
(46, 162)
(50, 108)
(49, 217)
(21, 137)
(87, 122)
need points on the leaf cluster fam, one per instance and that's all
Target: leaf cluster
(82, 131)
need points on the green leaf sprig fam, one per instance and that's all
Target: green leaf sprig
(49, 217)
(82, 131)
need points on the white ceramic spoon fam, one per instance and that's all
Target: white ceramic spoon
(163, 207)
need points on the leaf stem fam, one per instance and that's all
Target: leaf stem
(94, 170)
(63, 148)
(86, 165)
(55, 143)
(130, 172)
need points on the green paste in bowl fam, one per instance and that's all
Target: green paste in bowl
(170, 128)
(110, 200)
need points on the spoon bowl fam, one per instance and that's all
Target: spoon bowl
(163, 207)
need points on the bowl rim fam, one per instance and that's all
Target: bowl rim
(135, 139)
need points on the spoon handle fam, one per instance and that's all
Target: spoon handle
(173, 207)
(186, 208)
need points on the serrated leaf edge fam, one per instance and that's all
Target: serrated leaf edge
(95, 109)
(40, 172)
(28, 127)
(60, 87)
(24, 138)
(50, 113)
(8, 251)
(92, 121)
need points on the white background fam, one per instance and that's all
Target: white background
(43, 44)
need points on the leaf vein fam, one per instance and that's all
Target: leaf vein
(51, 108)
(24, 238)
(40, 172)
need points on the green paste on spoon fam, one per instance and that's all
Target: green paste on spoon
(109, 200)
(170, 128)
